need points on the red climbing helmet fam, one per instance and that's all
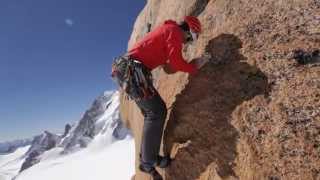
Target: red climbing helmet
(193, 23)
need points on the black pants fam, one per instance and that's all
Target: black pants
(155, 112)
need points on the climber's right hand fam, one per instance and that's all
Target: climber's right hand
(168, 69)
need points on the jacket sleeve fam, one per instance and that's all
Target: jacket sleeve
(174, 50)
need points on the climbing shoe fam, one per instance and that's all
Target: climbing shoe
(152, 171)
(163, 161)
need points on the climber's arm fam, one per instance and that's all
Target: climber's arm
(174, 51)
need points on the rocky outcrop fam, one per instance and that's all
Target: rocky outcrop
(253, 112)
(67, 129)
(40, 144)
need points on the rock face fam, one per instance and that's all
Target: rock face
(253, 112)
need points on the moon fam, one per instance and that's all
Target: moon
(69, 22)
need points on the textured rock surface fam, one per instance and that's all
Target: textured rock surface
(256, 114)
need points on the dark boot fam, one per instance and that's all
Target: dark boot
(152, 171)
(163, 161)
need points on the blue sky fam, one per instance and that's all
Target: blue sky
(55, 57)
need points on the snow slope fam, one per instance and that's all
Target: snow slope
(114, 162)
(10, 164)
(97, 147)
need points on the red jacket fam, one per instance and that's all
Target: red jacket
(162, 45)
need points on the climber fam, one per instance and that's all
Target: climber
(160, 47)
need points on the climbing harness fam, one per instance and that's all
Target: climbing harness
(133, 77)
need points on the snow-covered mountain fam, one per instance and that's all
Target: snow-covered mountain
(98, 131)
(10, 146)
(11, 163)
(101, 118)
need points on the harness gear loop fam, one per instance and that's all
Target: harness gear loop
(133, 77)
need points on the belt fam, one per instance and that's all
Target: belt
(135, 60)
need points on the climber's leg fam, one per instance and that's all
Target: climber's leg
(155, 112)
